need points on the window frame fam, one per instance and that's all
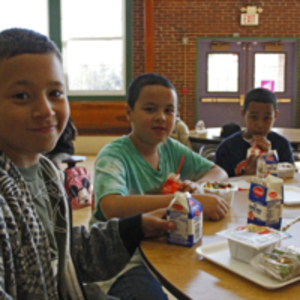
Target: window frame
(55, 35)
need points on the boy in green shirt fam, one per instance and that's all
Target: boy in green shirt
(130, 172)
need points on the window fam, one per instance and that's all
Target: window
(270, 66)
(94, 37)
(12, 14)
(222, 72)
(94, 54)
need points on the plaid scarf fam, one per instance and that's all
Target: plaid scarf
(25, 261)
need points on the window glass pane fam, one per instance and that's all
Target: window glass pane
(270, 67)
(31, 14)
(100, 68)
(222, 72)
(93, 34)
(91, 18)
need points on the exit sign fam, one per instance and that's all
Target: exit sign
(249, 19)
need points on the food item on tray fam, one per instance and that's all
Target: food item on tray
(245, 242)
(218, 185)
(286, 170)
(282, 264)
(224, 190)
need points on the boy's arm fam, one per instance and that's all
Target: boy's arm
(119, 206)
(115, 205)
(216, 173)
(105, 250)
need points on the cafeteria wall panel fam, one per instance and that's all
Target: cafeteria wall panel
(100, 118)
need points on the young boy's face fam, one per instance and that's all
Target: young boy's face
(33, 106)
(259, 118)
(154, 114)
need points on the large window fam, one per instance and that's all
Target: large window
(94, 37)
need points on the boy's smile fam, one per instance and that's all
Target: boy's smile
(33, 106)
(259, 119)
(153, 116)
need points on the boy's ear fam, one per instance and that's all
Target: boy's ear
(243, 112)
(276, 114)
(128, 112)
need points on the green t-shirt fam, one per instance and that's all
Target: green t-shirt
(120, 169)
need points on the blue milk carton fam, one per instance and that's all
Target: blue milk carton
(266, 201)
(187, 214)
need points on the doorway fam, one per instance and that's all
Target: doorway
(228, 68)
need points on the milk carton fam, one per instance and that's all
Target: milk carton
(187, 214)
(267, 163)
(266, 201)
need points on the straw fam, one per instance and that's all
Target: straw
(180, 165)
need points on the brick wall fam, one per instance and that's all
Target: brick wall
(204, 18)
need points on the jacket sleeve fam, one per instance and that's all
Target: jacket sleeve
(102, 252)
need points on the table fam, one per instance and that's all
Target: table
(213, 135)
(187, 275)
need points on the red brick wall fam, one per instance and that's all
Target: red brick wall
(204, 18)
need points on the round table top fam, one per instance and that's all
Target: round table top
(189, 276)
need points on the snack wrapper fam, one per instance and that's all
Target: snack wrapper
(187, 214)
(266, 201)
(280, 263)
(253, 150)
(172, 184)
(267, 164)
(245, 242)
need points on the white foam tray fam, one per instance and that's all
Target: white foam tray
(291, 195)
(219, 254)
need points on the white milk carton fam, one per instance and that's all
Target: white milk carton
(187, 214)
(267, 163)
(266, 201)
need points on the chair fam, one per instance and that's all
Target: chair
(208, 151)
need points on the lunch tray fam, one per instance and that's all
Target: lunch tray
(219, 254)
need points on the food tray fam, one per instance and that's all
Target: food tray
(219, 254)
(291, 195)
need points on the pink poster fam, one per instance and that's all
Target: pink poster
(268, 84)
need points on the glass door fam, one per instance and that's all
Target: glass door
(228, 69)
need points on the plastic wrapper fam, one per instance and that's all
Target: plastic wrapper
(253, 150)
(282, 264)
(172, 184)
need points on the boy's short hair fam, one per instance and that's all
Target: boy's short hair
(18, 41)
(139, 82)
(260, 95)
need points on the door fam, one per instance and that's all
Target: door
(227, 69)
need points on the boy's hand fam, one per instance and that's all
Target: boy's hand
(251, 165)
(190, 186)
(153, 223)
(261, 142)
(214, 207)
